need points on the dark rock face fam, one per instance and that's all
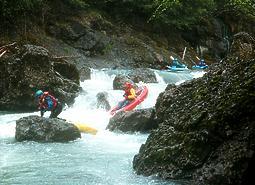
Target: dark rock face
(27, 68)
(211, 37)
(206, 126)
(85, 73)
(35, 128)
(67, 70)
(92, 42)
(142, 74)
(133, 121)
(104, 43)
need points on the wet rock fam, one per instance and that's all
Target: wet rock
(28, 68)
(35, 128)
(142, 75)
(102, 101)
(133, 121)
(212, 38)
(243, 46)
(206, 126)
(67, 70)
(119, 81)
(85, 73)
(81, 37)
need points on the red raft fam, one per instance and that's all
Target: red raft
(141, 94)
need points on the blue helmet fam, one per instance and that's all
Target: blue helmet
(38, 93)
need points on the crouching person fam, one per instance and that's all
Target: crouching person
(47, 102)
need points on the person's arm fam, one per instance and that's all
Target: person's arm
(132, 94)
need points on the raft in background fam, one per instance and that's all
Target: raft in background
(198, 67)
(175, 68)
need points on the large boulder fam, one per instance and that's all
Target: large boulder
(243, 46)
(27, 68)
(119, 82)
(67, 70)
(142, 75)
(141, 120)
(206, 126)
(35, 128)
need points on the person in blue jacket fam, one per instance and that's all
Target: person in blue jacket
(47, 102)
(202, 62)
(176, 63)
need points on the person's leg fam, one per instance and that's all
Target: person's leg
(121, 104)
(55, 112)
(126, 103)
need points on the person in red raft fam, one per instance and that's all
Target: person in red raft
(129, 95)
(47, 102)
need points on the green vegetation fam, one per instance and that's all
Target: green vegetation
(177, 13)
(13, 10)
(182, 13)
(242, 7)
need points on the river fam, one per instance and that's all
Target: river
(102, 159)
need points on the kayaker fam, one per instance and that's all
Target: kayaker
(47, 102)
(129, 95)
(202, 62)
(176, 63)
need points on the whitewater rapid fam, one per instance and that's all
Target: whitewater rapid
(105, 158)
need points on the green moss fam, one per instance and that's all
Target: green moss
(108, 48)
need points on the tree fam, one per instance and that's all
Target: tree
(181, 13)
(244, 7)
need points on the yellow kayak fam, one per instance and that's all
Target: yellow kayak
(85, 128)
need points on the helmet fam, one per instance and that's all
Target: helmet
(38, 93)
(128, 85)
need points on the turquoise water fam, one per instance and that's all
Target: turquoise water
(102, 159)
(85, 161)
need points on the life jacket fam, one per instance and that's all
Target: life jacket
(130, 93)
(47, 101)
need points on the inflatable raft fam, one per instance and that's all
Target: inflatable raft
(141, 94)
(199, 67)
(175, 68)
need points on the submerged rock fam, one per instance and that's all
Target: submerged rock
(102, 101)
(35, 128)
(133, 121)
(206, 126)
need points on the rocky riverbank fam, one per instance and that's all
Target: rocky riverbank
(206, 126)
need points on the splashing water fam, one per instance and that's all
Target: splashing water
(102, 159)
